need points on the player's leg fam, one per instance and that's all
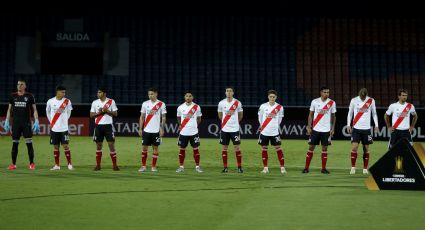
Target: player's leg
(324, 159)
(27, 133)
(65, 144)
(366, 155)
(146, 142)
(313, 140)
(16, 135)
(55, 141)
(99, 146)
(182, 142)
(236, 139)
(110, 138)
(155, 154)
(277, 143)
(224, 141)
(195, 142)
(354, 148)
(263, 141)
(113, 154)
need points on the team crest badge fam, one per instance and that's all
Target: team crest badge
(26, 98)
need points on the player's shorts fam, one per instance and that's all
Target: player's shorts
(317, 138)
(362, 135)
(151, 139)
(21, 129)
(273, 140)
(103, 131)
(194, 140)
(225, 138)
(397, 135)
(57, 138)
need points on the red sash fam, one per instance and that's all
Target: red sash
(229, 114)
(188, 116)
(106, 106)
(360, 113)
(400, 119)
(57, 114)
(271, 115)
(152, 112)
(320, 115)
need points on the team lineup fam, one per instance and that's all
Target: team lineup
(320, 126)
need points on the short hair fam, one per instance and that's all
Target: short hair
(60, 88)
(402, 91)
(153, 89)
(187, 91)
(230, 87)
(323, 88)
(103, 89)
(272, 91)
(22, 80)
(363, 91)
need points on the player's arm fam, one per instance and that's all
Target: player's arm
(333, 121)
(260, 116)
(34, 107)
(6, 125)
(112, 113)
(198, 120)
(162, 125)
(240, 116)
(414, 120)
(141, 122)
(387, 119)
(220, 116)
(375, 117)
(8, 112)
(309, 122)
(350, 116)
(48, 108)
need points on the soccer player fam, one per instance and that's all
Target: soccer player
(400, 126)
(103, 110)
(151, 127)
(20, 105)
(321, 128)
(270, 116)
(230, 113)
(189, 116)
(362, 107)
(58, 111)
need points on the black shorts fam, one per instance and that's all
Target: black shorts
(265, 140)
(397, 135)
(225, 138)
(362, 135)
(57, 138)
(103, 131)
(317, 138)
(21, 129)
(151, 139)
(194, 140)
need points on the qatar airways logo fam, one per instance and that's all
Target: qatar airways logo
(72, 37)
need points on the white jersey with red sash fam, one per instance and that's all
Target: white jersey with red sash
(362, 111)
(401, 115)
(108, 104)
(58, 113)
(322, 114)
(270, 117)
(153, 112)
(230, 111)
(189, 114)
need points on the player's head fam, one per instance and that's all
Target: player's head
(60, 91)
(363, 93)
(101, 92)
(402, 95)
(230, 92)
(188, 96)
(324, 92)
(152, 93)
(272, 95)
(21, 85)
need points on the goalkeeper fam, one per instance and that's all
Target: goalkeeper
(21, 104)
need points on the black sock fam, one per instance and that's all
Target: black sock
(14, 152)
(30, 152)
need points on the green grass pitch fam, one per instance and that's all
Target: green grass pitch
(84, 199)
